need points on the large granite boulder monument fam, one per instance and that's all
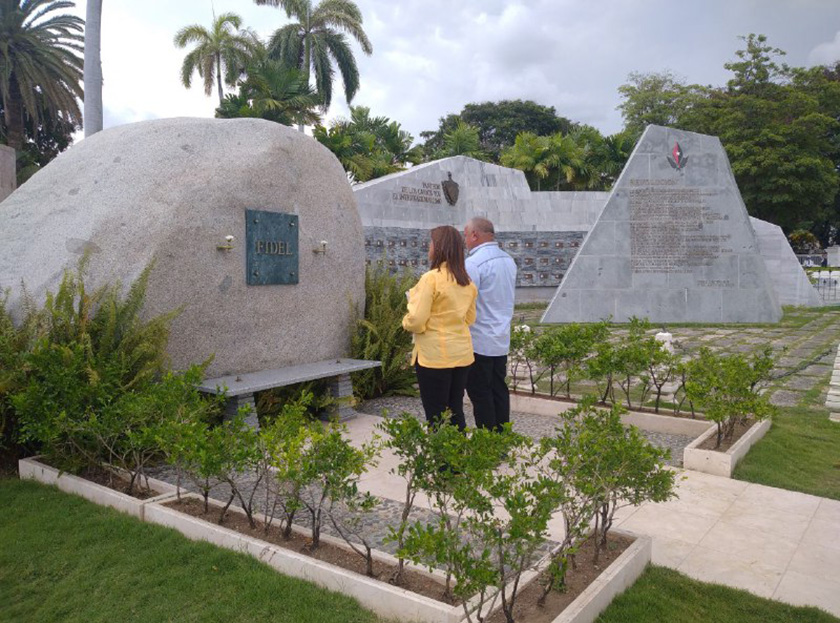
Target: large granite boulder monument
(252, 225)
(673, 243)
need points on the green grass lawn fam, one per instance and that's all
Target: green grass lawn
(665, 595)
(63, 559)
(801, 452)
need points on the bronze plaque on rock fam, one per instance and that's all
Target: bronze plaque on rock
(271, 256)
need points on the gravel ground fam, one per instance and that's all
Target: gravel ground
(536, 426)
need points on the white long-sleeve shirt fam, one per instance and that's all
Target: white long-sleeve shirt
(494, 274)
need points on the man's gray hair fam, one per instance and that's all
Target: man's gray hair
(482, 225)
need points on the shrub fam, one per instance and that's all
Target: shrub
(379, 335)
(726, 388)
(596, 466)
(91, 385)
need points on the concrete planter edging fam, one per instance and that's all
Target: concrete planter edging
(653, 422)
(32, 469)
(722, 463)
(383, 598)
(615, 579)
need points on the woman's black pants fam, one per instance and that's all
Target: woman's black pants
(442, 389)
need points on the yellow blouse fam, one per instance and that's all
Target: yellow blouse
(439, 315)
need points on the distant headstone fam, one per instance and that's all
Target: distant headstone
(833, 255)
(673, 243)
(8, 171)
(220, 205)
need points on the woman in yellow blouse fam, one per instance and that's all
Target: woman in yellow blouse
(441, 307)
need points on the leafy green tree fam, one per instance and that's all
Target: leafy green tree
(778, 136)
(44, 140)
(498, 124)
(40, 66)
(315, 41)
(804, 242)
(657, 98)
(218, 54)
(779, 126)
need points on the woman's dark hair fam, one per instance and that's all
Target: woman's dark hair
(449, 248)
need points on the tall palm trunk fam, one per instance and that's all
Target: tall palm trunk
(307, 53)
(14, 116)
(219, 76)
(93, 68)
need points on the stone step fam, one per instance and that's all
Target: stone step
(834, 417)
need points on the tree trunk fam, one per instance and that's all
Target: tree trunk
(14, 116)
(93, 68)
(219, 75)
(307, 53)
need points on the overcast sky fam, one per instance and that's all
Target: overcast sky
(430, 57)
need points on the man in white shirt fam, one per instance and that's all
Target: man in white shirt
(494, 274)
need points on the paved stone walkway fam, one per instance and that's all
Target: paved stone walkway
(774, 543)
(535, 426)
(832, 400)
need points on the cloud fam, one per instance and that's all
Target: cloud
(431, 58)
(826, 53)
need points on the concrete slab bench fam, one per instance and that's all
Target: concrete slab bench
(240, 388)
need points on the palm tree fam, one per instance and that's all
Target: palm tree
(368, 147)
(226, 49)
(567, 162)
(463, 140)
(274, 92)
(40, 66)
(93, 67)
(529, 153)
(314, 42)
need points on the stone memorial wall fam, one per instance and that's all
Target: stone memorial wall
(8, 171)
(673, 243)
(542, 231)
(542, 258)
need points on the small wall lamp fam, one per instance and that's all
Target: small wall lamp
(228, 245)
(322, 248)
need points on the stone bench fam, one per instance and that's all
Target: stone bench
(240, 388)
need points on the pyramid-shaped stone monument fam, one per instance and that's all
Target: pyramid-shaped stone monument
(673, 243)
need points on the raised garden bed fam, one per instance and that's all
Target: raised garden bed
(659, 423)
(378, 595)
(722, 462)
(33, 469)
(698, 455)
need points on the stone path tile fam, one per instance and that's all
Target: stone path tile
(801, 589)
(818, 370)
(802, 382)
(732, 569)
(785, 398)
